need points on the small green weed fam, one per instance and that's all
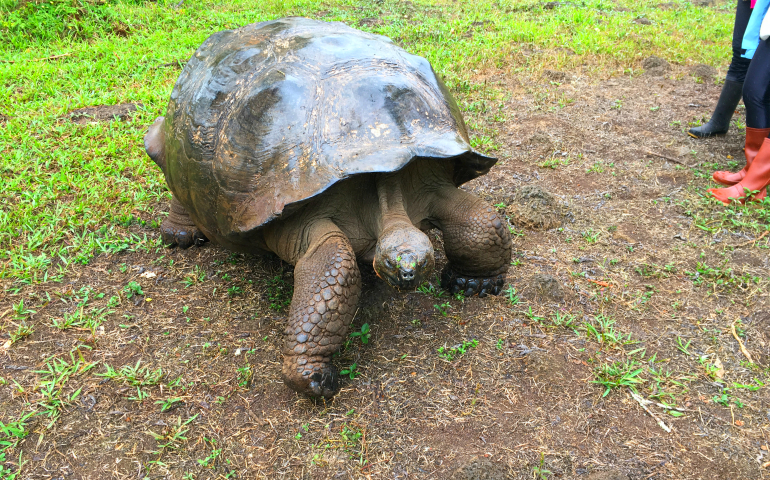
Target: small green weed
(210, 459)
(720, 277)
(539, 472)
(566, 320)
(618, 374)
(443, 308)
(234, 291)
(351, 371)
(195, 276)
(53, 379)
(80, 319)
(511, 295)
(530, 314)
(460, 349)
(173, 435)
(168, 404)
(14, 432)
(136, 375)
(428, 289)
(602, 329)
(597, 167)
(555, 162)
(363, 334)
(351, 437)
(279, 292)
(590, 235)
(133, 288)
(20, 311)
(22, 330)
(683, 347)
(245, 374)
(5, 472)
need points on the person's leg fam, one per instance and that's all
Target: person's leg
(756, 93)
(736, 73)
(756, 90)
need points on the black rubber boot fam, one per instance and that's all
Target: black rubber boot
(720, 120)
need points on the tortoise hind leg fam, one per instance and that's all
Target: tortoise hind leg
(178, 228)
(326, 289)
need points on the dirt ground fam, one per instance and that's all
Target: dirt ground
(615, 242)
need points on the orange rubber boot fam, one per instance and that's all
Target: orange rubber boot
(757, 179)
(754, 139)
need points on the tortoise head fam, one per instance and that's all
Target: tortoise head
(403, 257)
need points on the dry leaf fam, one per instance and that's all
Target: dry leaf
(148, 274)
(720, 369)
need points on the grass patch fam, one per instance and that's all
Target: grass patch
(618, 374)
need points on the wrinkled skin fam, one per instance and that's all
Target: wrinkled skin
(377, 219)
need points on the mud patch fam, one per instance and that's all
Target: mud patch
(121, 29)
(743, 257)
(103, 113)
(655, 66)
(671, 180)
(706, 72)
(370, 22)
(480, 468)
(533, 208)
(607, 475)
(555, 76)
(547, 287)
(543, 365)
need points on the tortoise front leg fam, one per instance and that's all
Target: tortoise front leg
(326, 288)
(179, 229)
(476, 241)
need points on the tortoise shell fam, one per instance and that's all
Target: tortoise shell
(265, 117)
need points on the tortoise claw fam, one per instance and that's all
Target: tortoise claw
(182, 236)
(471, 285)
(178, 228)
(320, 382)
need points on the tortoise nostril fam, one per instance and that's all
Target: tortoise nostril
(406, 274)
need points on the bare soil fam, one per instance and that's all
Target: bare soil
(519, 404)
(103, 113)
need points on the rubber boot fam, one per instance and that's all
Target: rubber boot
(754, 139)
(757, 179)
(720, 120)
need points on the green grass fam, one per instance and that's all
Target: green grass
(73, 191)
(134, 375)
(450, 353)
(618, 374)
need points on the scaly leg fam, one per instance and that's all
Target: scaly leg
(326, 288)
(476, 241)
(179, 229)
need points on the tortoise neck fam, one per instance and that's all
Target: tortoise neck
(391, 197)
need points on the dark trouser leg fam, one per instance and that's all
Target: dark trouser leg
(476, 241)
(738, 66)
(179, 229)
(326, 288)
(756, 90)
(731, 91)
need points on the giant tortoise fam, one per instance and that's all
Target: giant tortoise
(326, 146)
